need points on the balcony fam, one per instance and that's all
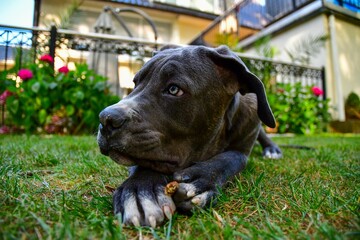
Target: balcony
(255, 15)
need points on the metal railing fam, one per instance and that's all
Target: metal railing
(40, 40)
(69, 46)
(66, 46)
(257, 15)
(274, 72)
(12, 40)
(27, 44)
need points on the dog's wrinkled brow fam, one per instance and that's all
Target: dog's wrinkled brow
(169, 69)
(172, 72)
(142, 75)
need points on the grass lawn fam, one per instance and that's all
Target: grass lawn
(55, 187)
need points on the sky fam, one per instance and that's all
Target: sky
(17, 12)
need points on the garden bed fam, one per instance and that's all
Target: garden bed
(348, 126)
(59, 187)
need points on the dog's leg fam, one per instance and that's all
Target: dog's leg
(199, 184)
(141, 199)
(270, 149)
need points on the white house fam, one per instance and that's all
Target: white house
(287, 22)
(340, 55)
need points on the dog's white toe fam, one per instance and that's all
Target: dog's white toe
(187, 190)
(132, 214)
(202, 199)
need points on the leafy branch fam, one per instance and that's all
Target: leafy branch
(306, 48)
(64, 17)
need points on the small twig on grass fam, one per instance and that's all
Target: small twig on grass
(33, 172)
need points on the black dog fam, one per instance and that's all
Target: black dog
(193, 116)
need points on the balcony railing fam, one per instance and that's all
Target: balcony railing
(353, 5)
(258, 14)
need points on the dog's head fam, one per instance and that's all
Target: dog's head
(176, 114)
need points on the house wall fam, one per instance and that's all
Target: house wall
(290, 37)
(347, 43)
(188, 28)
(342, 62)
(181, 31)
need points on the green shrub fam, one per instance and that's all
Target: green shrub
(353, 100)
(39, 100)
(352, 106)
(299, 109)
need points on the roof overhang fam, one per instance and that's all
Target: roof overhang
(166, 8)
(307, 12)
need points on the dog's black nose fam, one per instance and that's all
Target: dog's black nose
(112, 119)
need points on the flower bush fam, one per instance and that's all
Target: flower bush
(299, 109)
(41, 100)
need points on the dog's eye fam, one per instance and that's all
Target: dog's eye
(175, 90)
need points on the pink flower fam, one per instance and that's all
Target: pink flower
(317, 91)
(4, 129)
(50, 128)
(4, 96)
(47, 58)
(64, 70)
(25, 74)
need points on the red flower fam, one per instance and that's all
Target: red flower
(47, 58)
(4, 96)
(25, 74)
(4, 129)
(317, 91)
(64, 70)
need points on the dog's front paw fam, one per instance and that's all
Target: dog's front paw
(142, 202)
(273, 152)
(196, 189)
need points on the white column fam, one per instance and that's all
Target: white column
(336, 70)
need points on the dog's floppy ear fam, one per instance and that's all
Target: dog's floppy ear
(248, 82)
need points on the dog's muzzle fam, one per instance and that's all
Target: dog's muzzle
(112, 119)
(125, 140)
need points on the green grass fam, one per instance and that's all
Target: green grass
(55, 187)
